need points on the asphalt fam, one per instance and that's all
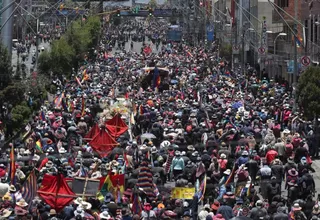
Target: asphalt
(28, 61)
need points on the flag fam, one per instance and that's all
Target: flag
(85, 75)
(39, 147)
(64, 106)
(42, 116)
(78, 81)
(229, 180)
(58, 100)
(105, 188)
(189, 54)
(83, 107)
(136, 204)
(132, 121)
(156, 78)
(141, 111)
(29, 188)
(70, 106)
(249, 189)
(12, 166)
(134, 108)
(202, 188)
(147, 50)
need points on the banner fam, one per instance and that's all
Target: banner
(85, 186)
(182, 193)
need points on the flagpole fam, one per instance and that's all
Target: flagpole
(130, 131)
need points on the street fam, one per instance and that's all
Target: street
(28, 60)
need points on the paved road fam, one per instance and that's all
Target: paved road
(137, 47)
(28, 61)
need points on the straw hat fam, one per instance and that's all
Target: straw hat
(22, 203)
(85, 205)
(12, 188)
(5, 213)
(7, 196)
(227, 172)
(296, 207)
(52, 212)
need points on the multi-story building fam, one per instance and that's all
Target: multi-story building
(307, 34)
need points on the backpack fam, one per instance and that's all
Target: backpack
(289, 150)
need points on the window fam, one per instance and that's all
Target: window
(283, 3)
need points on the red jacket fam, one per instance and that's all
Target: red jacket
(271, 155)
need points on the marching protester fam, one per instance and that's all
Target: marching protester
(169, 133)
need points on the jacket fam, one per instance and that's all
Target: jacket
(177, 163)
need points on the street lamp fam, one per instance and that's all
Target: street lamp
(274, 43)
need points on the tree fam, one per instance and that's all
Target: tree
(308, 92)
(5, 67)
(62, 55)
(44, 62)
(226, 51)
(153, 3)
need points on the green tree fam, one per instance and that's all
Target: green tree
(226, 51)
(308, 92)
(45, 62)
(5, 67)
(62, 55)
(18, 73)
(153, 3)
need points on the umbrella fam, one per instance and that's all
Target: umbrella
(148, 136)
(173, 81)
(241, 218)
(237, 105)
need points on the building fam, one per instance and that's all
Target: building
(307, 34)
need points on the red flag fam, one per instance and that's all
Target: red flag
(12, 166)
(147, 50)
(116, 126)
(93, 131)
(103, 143)
(83, 107)
(43, 163)
(55, 191)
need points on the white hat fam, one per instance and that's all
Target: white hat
(62, 150)
(223, 156)
(79, 211)
(227, 172)
(105, 215)
(36, 157)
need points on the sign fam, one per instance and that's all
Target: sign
(261, 50)
(264, 32)
(210, 33)
(305, 61)
(290, 66)
(85, 187)
(235, 49)
(182, 193)
(174, 35)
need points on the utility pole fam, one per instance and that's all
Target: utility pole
(295, 68)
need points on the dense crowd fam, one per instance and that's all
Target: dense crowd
(169, 133)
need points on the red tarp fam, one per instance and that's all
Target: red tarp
(103, 143)
(116, 126)
(55, 191)
(93, 131)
